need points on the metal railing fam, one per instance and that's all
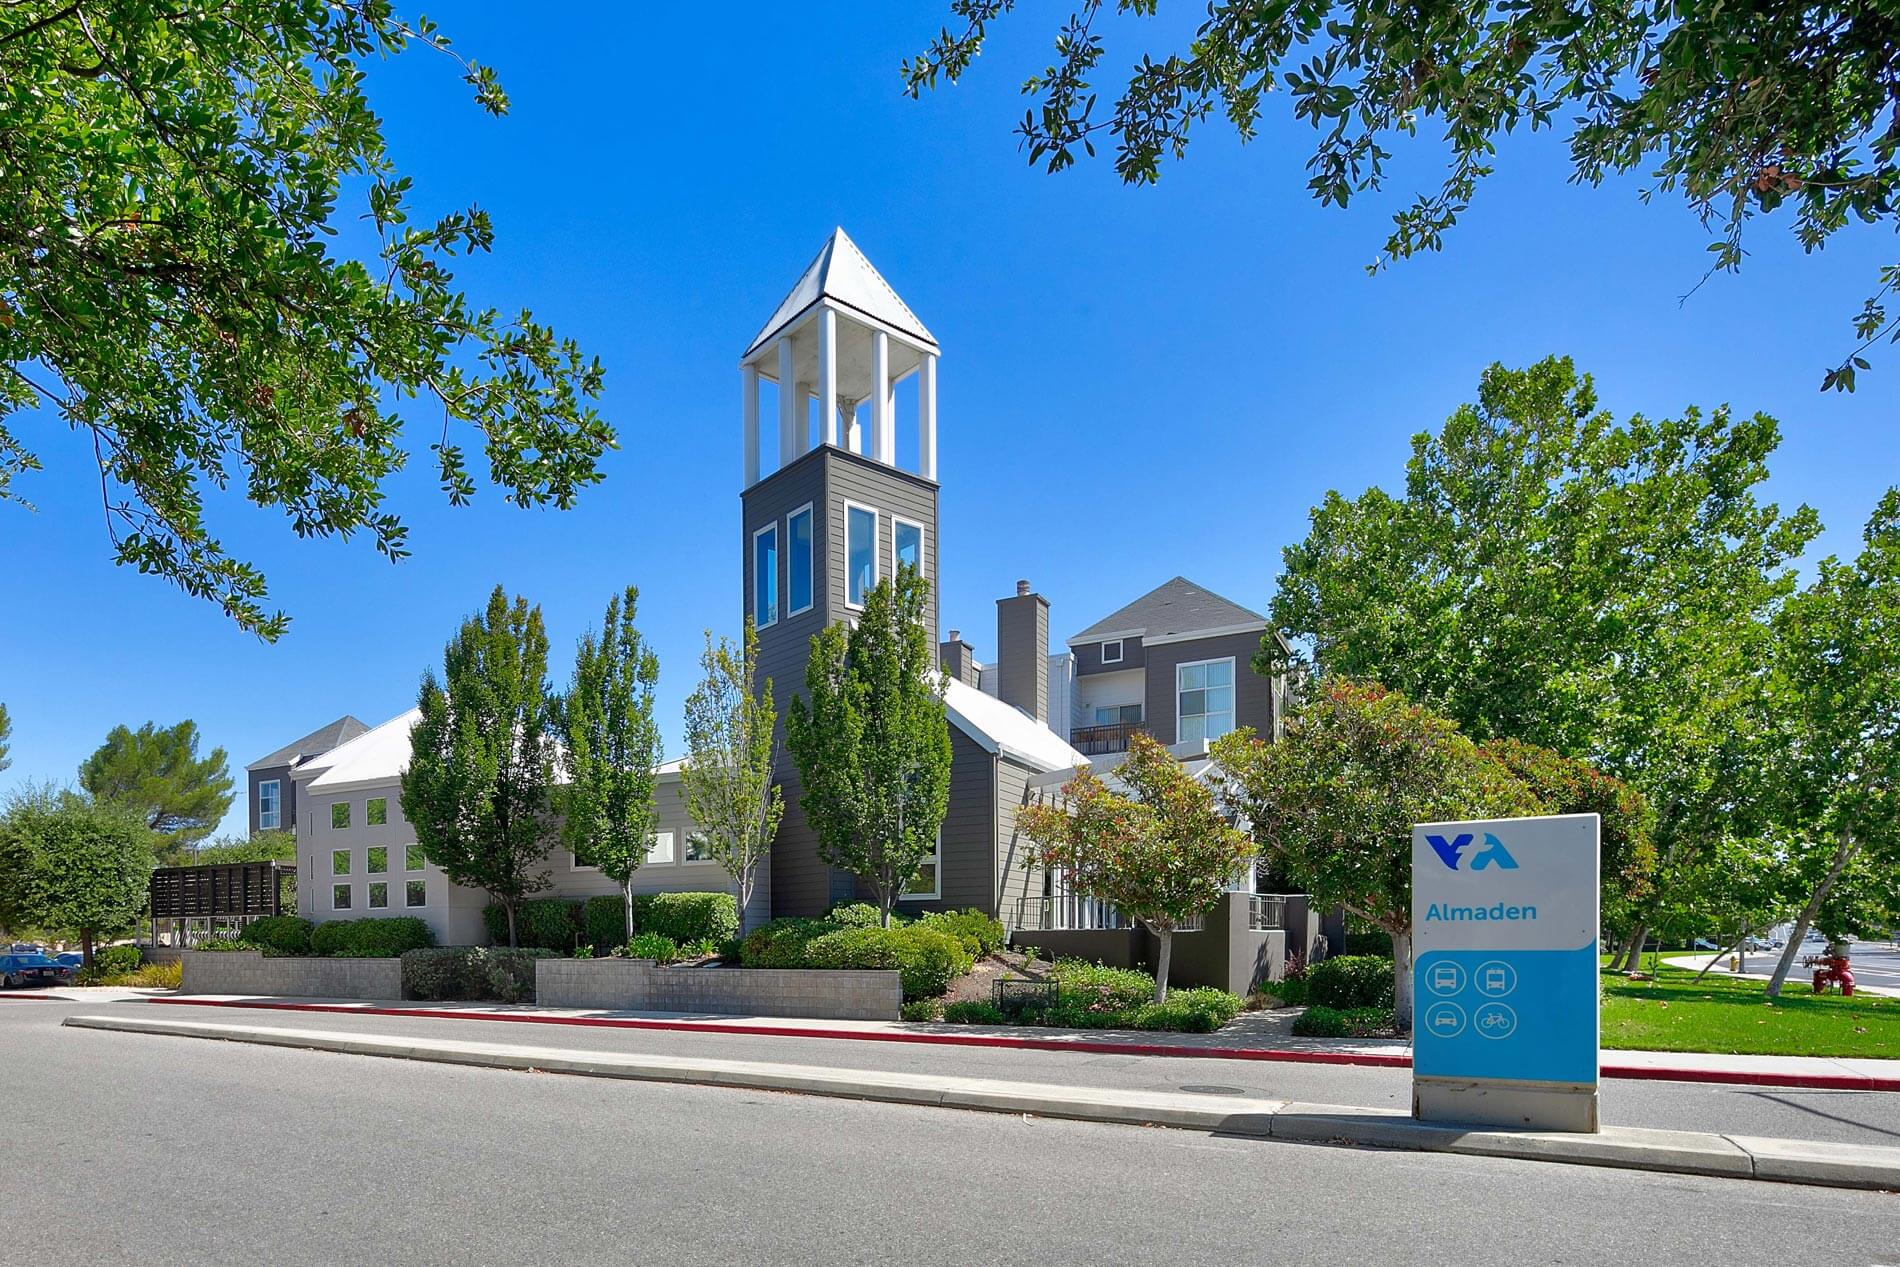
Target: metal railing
(1266, 911)
(1098, 741)
(1074, 913)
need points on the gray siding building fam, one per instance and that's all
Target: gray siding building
(271, 789)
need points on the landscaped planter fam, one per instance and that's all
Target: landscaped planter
(250, 973)
(641, 984)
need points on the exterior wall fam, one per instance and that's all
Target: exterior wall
(966, 870)
(866, 995)
(1088, 657)
(1225, 953)
(1015, 881)
(1253, 694)
(1102, 690)
(241, 972)
(286, 792)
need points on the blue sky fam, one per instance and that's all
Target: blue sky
(660, 184)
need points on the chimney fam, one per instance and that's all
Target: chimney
(1022, 651)
(957, 658)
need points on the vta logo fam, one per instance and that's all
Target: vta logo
(1494, 851)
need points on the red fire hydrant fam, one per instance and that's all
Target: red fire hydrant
(1832, 969)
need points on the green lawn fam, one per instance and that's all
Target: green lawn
(1723, 1014)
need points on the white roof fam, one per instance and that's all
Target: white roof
(1004, 728)
(842, 275)
(379, 755)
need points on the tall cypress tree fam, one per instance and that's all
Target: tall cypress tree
(481, 765)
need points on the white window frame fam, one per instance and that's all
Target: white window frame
(349, 854)
(779, 598)
(811, 561)
(348, 815)
(407, 905)
(409, 870)
(877, 569)
(376, 800)
(272, 821)
(654, 858)
(936, 878)
(574, 863)
(1121, 650)
(1233, 685)
(369, 895)
(923, 543)
(684, 841)
(369, 849)
(347, 887)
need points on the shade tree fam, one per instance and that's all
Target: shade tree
(729, 776)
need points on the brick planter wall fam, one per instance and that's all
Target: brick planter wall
(640, 984)
(249, 973)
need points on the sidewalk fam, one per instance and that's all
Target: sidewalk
(1252, 1036)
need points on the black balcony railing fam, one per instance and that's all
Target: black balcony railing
(1097, 741)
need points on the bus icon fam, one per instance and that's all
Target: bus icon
(1446, 978)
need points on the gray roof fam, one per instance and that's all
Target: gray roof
(1176, 607)
(324, 738)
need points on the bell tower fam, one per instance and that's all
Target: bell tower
(835, 513)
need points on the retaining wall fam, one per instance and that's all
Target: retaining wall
(641, 984)
(250, 973)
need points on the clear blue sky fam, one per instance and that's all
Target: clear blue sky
(660, 184)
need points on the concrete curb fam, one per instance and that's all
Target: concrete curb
(1379, 1060)
(1676, 1152)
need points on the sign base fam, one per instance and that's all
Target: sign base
(1540, 1106)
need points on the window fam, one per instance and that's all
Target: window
(339, 862)
(860, 553)
(340, 815)
(926, 883)
(1112, 652)
(661, 850)
(270, 803)
(412, 859)
(376, 811)
(574, 863)
(1204, 700)
(339, 897)
(765, 576)
(798, 561)
(907, 545)
(376, 859)
(1109, 715)
(697, 850)
(378, 895)
(416, 893)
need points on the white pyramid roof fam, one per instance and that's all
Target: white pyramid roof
(843, 276)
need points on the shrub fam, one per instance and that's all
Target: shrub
(704, 948)
(978, 932)
(604, 922)
(854, 915)
(780, 943)
(926, 961)
(1329, 1022)
(1369, 941)
(493, 973)
(1197, 1011)
(655, 946)
(920, 1010)
(1102, 987)
(550, 923)
(224, 941)
(1291, 991)
(279, 934)
(854, 948)
(687, 917)
(109, 961)
(371, 938)
(1350, 981)
(974, 1012)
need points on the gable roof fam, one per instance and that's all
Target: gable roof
(1171, 610)
(324, 738)
(1006, 729)
(842, 275)
(375, 756)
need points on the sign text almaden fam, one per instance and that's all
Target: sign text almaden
(1504, 972)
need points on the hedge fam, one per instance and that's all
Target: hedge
(549, 923)
(926, 961)
(601, 922)
(494, 973)
(687, 917)
(1350, 981)
(979, 934)
(279, 934)
(604, 922)
(1331, 1022)
(370, 937)
(110, 961)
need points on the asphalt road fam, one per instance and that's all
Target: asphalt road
(135, 1148)
(1876, 964)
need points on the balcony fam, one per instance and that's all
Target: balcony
(1099, 741)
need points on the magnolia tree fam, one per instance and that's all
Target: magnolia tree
(730, 757)
(612, 748)
(871, 740)
(1162, 854)
(1334, 801)
(69, 861)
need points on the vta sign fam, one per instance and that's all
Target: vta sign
(1493, 854)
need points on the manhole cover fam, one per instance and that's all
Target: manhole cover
(1207, 1090)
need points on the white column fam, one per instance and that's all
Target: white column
(883, 418)
(749, 390)
(827, 376)
(791, 405)
(927, 416)
(802, 441)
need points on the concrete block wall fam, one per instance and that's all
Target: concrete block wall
(243, 972)
(848, 995)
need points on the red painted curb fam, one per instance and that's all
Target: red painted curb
(1639, 1073)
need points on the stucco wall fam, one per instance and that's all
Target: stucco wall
(639, 984)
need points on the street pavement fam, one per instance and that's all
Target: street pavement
(221, 1153)
(1876, 967)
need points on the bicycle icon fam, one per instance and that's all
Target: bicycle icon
(1495, 1020)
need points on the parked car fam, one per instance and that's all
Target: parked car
(32, 969)
(1757, 943)
(72, 959)
(1703, 943)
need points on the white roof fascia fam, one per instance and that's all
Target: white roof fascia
(1221, 631)
(1080, 641)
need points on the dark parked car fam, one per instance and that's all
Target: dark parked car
(33, 969)
(72, 959)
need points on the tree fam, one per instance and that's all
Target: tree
(731, 756)
(264, 846)
(1333, 803)
(1162, 854)
(612, 748)
(156, 773)
(481, 764)
(871, 742)
(1837, 684)
(6, 736)
(1743, 110)
(68, 861)
(173, 291)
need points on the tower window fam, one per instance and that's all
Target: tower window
(798, 560)
(860, 553)
(907, 545)
(765, 576)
